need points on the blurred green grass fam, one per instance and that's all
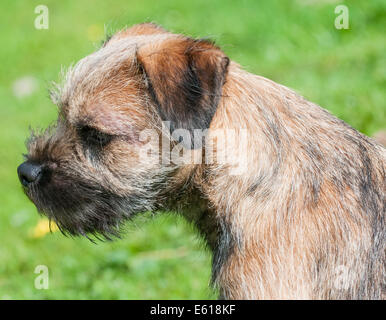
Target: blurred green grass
(292, 42)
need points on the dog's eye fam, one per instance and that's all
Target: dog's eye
(93, 137)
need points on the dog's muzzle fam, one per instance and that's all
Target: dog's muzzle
(29, 173)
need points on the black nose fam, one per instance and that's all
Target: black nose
(29, 172)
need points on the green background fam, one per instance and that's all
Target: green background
(292, 42)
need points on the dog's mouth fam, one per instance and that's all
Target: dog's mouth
(79, 208)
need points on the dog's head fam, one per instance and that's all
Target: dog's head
(88, 172)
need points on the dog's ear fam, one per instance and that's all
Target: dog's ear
(185, 79)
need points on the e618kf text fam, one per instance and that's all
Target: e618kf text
(214, 309)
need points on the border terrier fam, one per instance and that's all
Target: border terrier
(296, 212)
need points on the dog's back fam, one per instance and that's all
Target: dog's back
(308, 216)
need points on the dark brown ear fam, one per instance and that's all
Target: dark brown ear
(185, 79)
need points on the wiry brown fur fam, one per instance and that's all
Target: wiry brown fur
(310, 205)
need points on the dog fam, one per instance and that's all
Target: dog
(296, 212)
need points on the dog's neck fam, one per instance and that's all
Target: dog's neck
(186, 197)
